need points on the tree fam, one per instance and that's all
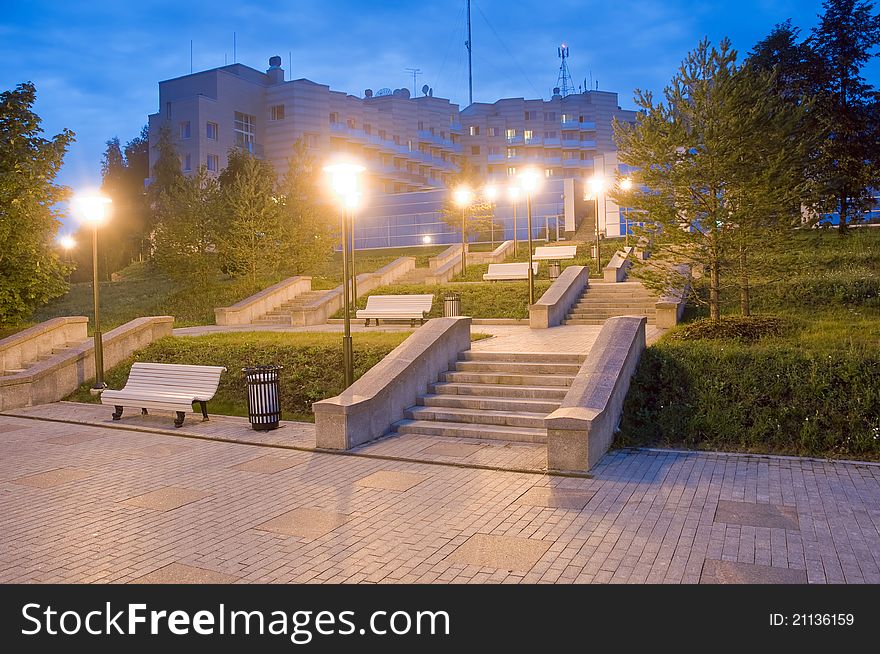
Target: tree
(310, 226)
(31, 272)
(137, 170)
(718, 168)
(790, 60)
(186, 230)
(252, 240)
(844, 41)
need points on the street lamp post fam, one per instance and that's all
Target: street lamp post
(528, 180)
(94, 209)
(344, 182)
(463, 198)
(513, 194)
(597, 185)
(490, 192)
(354, 286)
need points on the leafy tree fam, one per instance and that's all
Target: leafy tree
(252, 239)
(844, 41)
(718, 169)
(186, 231)
(309, 225)
(31, 272)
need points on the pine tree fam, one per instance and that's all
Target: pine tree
(31, 272)
(718, 170)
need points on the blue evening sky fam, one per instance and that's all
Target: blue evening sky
(97, 64)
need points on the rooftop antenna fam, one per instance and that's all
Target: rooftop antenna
(290, 63)
(234, 52)
(469, 45)
(414, 72)
(190, 56)
(564, 82)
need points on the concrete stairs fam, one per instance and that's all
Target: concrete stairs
(414, 276)
(43, 357)
(280, 315)
(602, 300)
(494, 395)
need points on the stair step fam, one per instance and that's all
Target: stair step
(506, 378)
(463, 430)
(477, 355)
(612, 304)
(476, 416)
(599, 321)
(525, 368)
(499, 390)
(626, 311)
(490, 403)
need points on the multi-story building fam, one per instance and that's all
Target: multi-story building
(408, 144)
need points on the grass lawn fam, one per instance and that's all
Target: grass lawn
(809, 386)
(330, 274)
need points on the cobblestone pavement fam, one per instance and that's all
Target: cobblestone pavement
(85, 503)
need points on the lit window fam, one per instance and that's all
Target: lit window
(566, 118)
(276, 112)
(245, 131)
(511, 153)
(211, 131)
(528, 135)
(511, 134)
(493, 131)
(409, 145)
(511, 170)
(184, 130)
(548, 172)
(474, 130)
(213, 163)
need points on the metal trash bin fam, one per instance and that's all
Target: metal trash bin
(554, 268)
(264, 398)
(451, 305)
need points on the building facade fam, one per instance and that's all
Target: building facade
(410, 145)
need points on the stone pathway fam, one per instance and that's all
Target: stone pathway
(83, 503)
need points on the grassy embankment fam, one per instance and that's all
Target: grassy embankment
(801, 377)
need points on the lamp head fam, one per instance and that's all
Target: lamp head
(426, 240)
(626, 184)
(596, 184)
(344, 180)
(529, 179)
(491, 192)
(463, 196)
(92, 209)
(513, 192)
(67, 242)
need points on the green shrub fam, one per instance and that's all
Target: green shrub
(756, 398)
(745, 329)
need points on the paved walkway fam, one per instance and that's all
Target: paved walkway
(85, 503)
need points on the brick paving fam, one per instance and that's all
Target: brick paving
(645, 516)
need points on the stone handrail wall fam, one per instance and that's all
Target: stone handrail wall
(582, 429)
(550, 310)
(450, 253)
(30, 344)
(498, 255)
(670, 306)
(367, 409)
(251, 308)
(319, 310)
(57, 377)
(616, 269)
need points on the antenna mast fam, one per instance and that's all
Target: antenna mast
(414, 72)
(469, 47)
(564, 82)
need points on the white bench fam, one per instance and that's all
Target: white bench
(396, 307)
(168, 386)
(555, 252)
(508, 271)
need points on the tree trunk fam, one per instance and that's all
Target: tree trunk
(744, 291)
(844, 207)
(714, 291)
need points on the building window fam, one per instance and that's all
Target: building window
(475, 149)
(528, 135)
(421, 125)
(585, 156)
(511, 153)
(311, 140)
(245, 131)
(276, 112)
(184, 129)
(548, 172)
(494, 150)
(531, 115)
(211, 131)
(350, 123)
(409, 145)
(368, 129)
(334, 117)
(567, 118)
(550, 116)
(550, 135)
(396, 139)
(213, 163)
(493, 131)
(187, 162)
(511, 134)
(580, 119)
(474, 130)
(168, 110)
(569, 154)
(511, 170)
